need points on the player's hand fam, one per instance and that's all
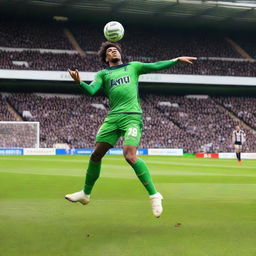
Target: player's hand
(187, 59)
(75, 75)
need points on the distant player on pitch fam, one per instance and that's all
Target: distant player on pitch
(238, 138)
(119, 81)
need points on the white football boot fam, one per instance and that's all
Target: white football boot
(156, 202)
(80, 197)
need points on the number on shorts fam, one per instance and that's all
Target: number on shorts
(132, 132)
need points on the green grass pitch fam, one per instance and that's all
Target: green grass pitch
(209, 208)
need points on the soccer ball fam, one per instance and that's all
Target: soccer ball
(113, 31)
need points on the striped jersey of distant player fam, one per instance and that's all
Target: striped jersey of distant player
(238, 137)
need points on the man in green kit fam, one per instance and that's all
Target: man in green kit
(119, 82)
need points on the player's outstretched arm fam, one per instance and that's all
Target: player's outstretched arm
(91, 88)
(159, 65)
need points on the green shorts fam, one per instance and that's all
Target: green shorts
(115, 126)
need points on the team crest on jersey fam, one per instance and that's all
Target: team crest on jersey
(119, 81)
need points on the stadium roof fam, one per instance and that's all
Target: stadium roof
(227, 13)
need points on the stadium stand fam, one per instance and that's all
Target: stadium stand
(5, 115)
(90, 63)
(194, 124)
(201, 118)
(17, 136)
(243, 107)
(160, 131)
(25, 34)
(167, 45)
(247, 42)
(62, 120)
(212, 53)
(48, 61)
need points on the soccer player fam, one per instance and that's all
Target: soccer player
(119, 82)
(238, 138)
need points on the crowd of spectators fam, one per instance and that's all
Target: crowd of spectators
(243, 107)
(247, 42)
(203, 119)
(32, 34)
(138, 45)
(214, 67)
(62, 120)
(88, 36)
(193, 124)
(32, 60)
(5, 115)
(17, 135)
(159, 131)
(167, 43)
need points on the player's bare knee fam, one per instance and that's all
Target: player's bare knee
(96, 157)
(130, 158)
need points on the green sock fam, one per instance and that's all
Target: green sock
(143, 174)
(93, 173)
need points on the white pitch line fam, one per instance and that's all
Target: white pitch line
(147, 161)
(117, 174)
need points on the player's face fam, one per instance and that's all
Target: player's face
(113, 55)
(237, 128)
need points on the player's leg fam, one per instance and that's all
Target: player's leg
(93, 170)
(140, 168)
(92, 174)
(238, 152)
(105, 139)
(132, 129)
(142, 172)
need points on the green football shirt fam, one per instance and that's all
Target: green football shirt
(120, 84)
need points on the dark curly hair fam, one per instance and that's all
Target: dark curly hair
(103, 48)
